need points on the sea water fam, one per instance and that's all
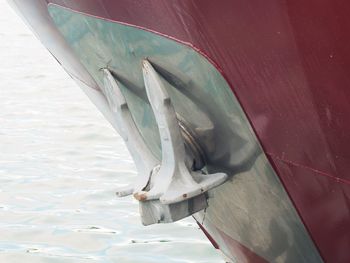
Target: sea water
(60, 165)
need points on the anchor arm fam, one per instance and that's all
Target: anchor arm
(142, 156)
(175, 181)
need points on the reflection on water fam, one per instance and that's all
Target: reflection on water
(60, 163)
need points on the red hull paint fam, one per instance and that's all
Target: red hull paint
(289, 65)
(242, 254)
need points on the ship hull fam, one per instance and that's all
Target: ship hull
(288, 66)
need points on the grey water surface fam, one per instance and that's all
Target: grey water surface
(60, 164)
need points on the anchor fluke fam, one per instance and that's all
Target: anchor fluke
(175, 181)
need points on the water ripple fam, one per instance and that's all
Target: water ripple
(60, 165)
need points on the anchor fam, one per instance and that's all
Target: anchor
(171, 188)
